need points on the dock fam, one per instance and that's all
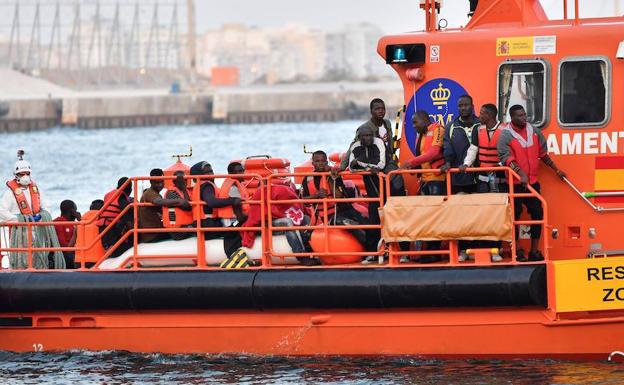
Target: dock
(31, 103)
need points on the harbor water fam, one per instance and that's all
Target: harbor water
(117, 368)
(83, 165)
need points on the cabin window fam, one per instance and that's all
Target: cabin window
(523, 83)
(583, 91)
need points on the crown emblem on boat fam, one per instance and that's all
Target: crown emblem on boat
(440, 96)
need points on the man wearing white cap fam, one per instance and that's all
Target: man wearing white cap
(22, 197)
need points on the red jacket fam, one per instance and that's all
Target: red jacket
(294, 211)
(524, 146)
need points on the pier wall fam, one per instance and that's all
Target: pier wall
(134, 108)
(30, 114)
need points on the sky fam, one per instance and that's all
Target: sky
(393, 16)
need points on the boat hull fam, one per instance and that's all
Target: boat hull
(442, 333)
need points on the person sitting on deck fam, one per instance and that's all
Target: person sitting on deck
(207, 192)
(232, 188)
(283, 215)
(369, 154)
(150, 217)
(115, 201)
(66, 234)
(317, 187)
(520, 147)
(179, 216)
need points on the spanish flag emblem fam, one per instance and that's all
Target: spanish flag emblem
(609, 178)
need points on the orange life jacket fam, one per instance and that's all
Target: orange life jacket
(426, 145)
(111, 208)
(198, 210)
(20, 197)
(84, 237)
(224, 193)
(319, 207)
(176, 216)
(488, 153)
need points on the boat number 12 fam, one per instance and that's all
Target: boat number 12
(38, 347)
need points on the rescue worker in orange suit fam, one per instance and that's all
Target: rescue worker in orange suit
(181, 216)
(150, 217)
(520, 147)
(340, 213)
(429, 155)
(113, 206)
(484, 153)
(208, 194)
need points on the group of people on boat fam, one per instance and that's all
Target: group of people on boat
(468, 141)
(483, 142)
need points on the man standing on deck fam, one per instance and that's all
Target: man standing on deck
(520, 147)
(483, 151)
(382, 129)
(457, 138)
(429, 155)
(22, 197)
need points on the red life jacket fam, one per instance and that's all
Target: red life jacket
(175, 216)
(20, 197)
(112, 208)
(488, 152)
(527, 152)
(319, 207)
(224, 193)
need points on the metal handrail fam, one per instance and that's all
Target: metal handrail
(510, 175)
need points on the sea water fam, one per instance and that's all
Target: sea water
(83, 165)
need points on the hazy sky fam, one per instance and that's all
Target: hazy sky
(392, 15)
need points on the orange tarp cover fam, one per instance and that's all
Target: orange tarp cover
(464, 216)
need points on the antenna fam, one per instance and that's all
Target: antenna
(305, 150)
(20, 154)
(190, 154)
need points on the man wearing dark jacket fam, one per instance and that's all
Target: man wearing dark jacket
(458, 136)
(382, 129)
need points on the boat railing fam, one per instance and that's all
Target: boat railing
(266, 229)
(452, 251)
(325, 224)
(199, 230)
